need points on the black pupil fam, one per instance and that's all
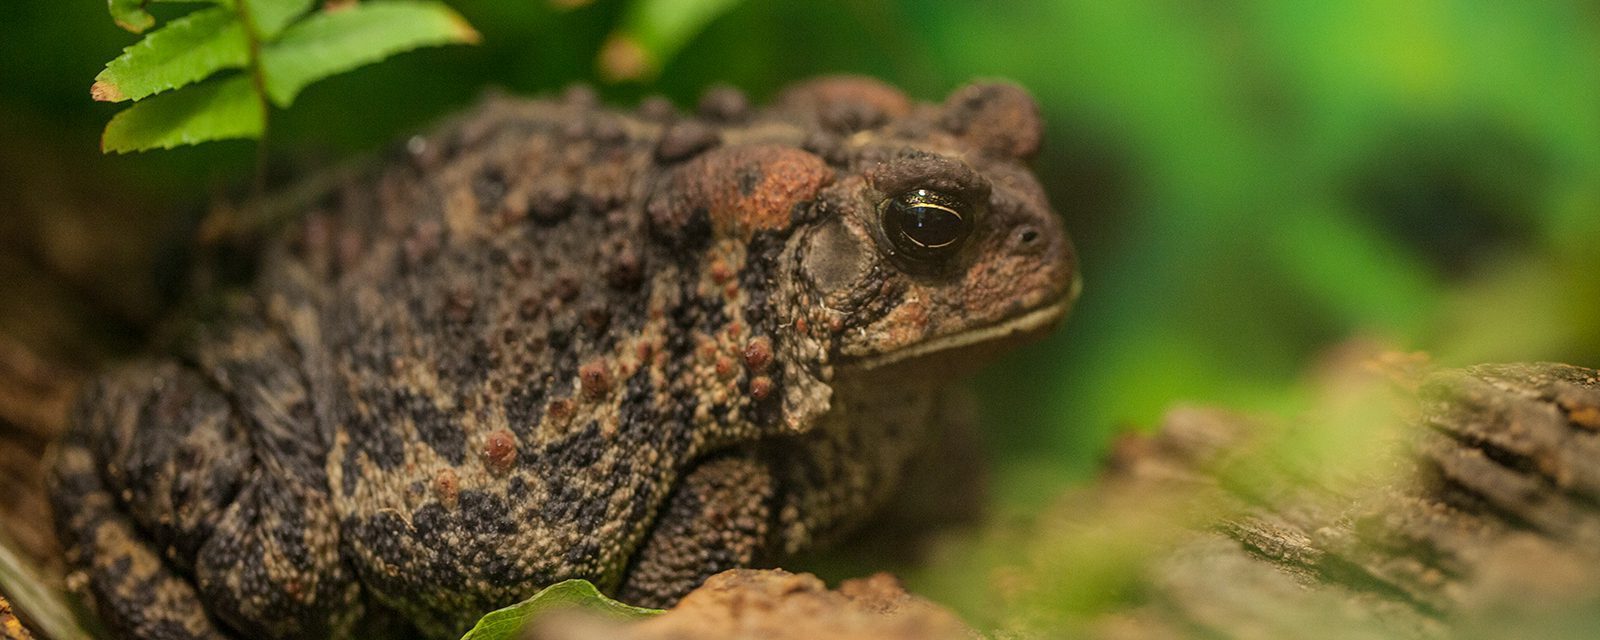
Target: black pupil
(925, 221)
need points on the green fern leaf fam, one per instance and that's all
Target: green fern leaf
(271, 16)
(507, 623)
(218, 110)
(130, 14)
(184, 51)
(332, 42)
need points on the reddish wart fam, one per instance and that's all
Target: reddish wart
(499, 451)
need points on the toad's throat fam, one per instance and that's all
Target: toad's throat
(1033, 322)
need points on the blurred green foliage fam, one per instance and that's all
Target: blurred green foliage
(1250, 183)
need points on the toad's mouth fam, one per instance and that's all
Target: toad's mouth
(1030, 324)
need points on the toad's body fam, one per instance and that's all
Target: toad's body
(555, 341)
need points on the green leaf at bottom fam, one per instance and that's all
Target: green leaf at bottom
(215, 110)
(505, 624)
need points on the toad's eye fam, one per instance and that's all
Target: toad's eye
(926, 225)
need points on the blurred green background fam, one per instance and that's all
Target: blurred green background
(1252, 184)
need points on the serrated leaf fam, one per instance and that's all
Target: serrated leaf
(271, 16)
(217, 110)
(507, 623)
(653, 31)
(330, 43)
(186, 50)
(130, 14)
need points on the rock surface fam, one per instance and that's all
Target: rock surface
(776, 605)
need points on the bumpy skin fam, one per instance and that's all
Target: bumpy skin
(554, 341)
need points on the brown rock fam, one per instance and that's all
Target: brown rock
(775, 605)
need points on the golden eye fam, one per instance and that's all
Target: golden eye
(926, 225)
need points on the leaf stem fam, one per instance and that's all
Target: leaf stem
(258, 80)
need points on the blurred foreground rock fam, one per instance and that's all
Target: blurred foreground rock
(775, 605)
(1474, 514)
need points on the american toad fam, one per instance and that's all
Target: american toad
(553, 340)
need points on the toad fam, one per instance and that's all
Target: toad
(552, 340)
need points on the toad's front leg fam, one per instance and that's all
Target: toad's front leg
(719, 518)
(137, 594)
(197, 504)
